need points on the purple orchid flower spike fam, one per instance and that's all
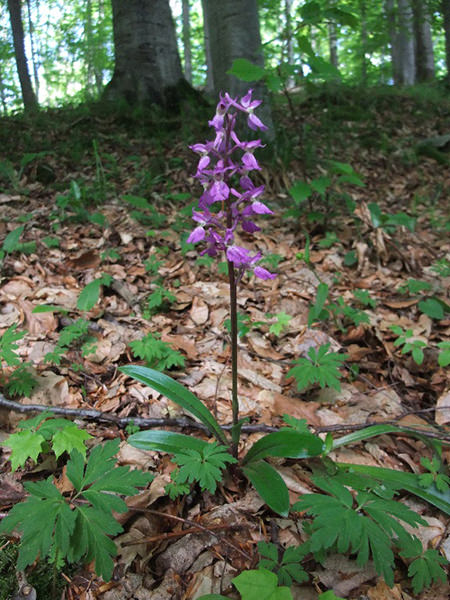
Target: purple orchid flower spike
(222, 161)
(230, 201)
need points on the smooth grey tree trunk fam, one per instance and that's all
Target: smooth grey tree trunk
(147, 63)
(232, 28)
(209, 83)
(15, 13)
(34, 57)
(445, 8)
(363, 41)
(332, 42)
(423, 42)
(401, 33)
(289, 38)
(187, 41)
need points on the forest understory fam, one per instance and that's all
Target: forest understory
(108, 195)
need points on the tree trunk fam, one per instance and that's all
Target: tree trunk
(289, 38)
(28, 95)
(232, 28)
(89, 48)
(187, 42)
(423, 42)
(2, 95)
(332, 41)
(400, 27)
(147, 64)
(209, 84)
(445, 7)
(405, 40)
(98, 73)
(34, 58)
(363, 41)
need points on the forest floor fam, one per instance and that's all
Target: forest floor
(105, 193)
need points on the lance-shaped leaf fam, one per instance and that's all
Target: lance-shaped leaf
(287, 443)
(166, 441)
(270, 486)
(404, 481)
(177, 393)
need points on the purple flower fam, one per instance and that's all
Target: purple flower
(260, 208)
(223, 171)
(255, 123)
(263, 273)
(197, 235)
(250, 162)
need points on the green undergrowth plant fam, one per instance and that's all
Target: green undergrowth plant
(43, 434)
(320, 198)
(158, 301)
(76, 526)
(74, 206)
(20, 381)
(12, 243)
(367, 519)
(73, 336)
(156, 353)
(319, 366)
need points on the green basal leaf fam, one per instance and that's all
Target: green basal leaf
(365, 434)
(166, 441)
(177, 393)
(270, 486)
(45, 308)
(405, 481)
(288, 443)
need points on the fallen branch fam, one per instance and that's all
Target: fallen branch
(91, 414)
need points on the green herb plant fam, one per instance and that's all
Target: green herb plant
(367, 524)
(76, 527)
(19, 382)
(409, 343)
(156, 353)
(75, 335)
(43, 434)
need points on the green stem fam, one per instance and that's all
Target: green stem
(234, 357)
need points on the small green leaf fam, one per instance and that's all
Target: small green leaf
(24, 445)
(68, 439)
(260, 584)
(244, 70)
(432, 308)
(270, 486)
(11, 241)
(91, 293)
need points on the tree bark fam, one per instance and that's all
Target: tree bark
(187, 41)
(423, 42)
(232, 28)
(34, 58)
(209, 84)
(332, 41)
(147, 64)
(29, 97)
(445, 8)
(363, 41)
(401, 33)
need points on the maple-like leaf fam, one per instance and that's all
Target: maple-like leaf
(205, 465)
(24, 445)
